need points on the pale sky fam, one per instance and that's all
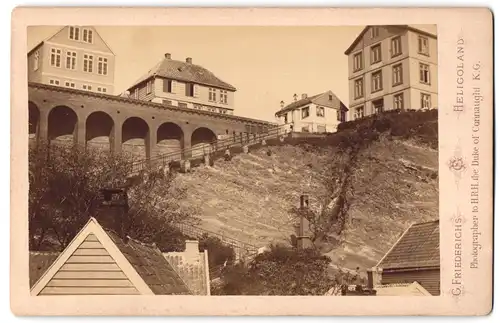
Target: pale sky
(265, 64)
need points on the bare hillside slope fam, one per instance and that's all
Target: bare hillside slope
(249, 198)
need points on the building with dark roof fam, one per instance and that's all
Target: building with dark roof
(319, 113)
(415, 257)
(392, 67)
(184, 84)
(99, 262)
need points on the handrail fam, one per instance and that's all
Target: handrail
(212, 147)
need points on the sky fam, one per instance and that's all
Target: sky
(265, 64)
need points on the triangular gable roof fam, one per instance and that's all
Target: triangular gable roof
(413, 289)
(64, 27)
(309, 100)
(182, 71)
(144, 266)
(407, 27)
(417, 247)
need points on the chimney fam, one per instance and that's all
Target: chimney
(304, 95)
(168, 56)
(189, 60)
(295, 97)
(282, 104)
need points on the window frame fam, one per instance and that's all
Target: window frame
(395, 68)
(318, 114)
(55, 52)
(394, 100)
(378, 72)
(361, 63)
(372, 53)
(427, 68)
(303, 111)
(396, 40)
(72, 60)
(421, 50)
(89, 58)
(362, 93)
(422, 96)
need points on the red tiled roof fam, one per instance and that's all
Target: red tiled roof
(182, 71)
(309, 100)
(418, 247)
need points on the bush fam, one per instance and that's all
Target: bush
(218, 252)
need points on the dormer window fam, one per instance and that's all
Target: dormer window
(74, 33)
(87, 35)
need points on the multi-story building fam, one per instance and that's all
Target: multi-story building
(392, 67)
(186, 85)
(319, 113)
(75, 57)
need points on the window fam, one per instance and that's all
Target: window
(55, 57)
(189, 89)
(320, 112)
(149, 86)
(87, 87)
(74, 33)
(36, 61)
(136, 93)
(167, 86)
(330, 97)
(88, 62)
(425, 101)
(69, 84)
(425, 76)
(305, 112)
(376, 81)
(183, 105)
(376, 54)
(374, 32)
(53, 82)
(167, 102)
(397, 74)
(71, 60)
(399, 101)
(359, 112)
(87, 35)
(423, 45)
(358, 61)
(223, 96)
(212, 95)
(102, 66)
(396, 46)
(358, 88)
(378, 106)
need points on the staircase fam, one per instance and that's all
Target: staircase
(216, 148)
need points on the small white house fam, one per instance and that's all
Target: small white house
(321, 113)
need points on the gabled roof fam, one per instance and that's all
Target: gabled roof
(183, 71)
(418, 247)
(61, 29)
(142, 264)
(311, 99)
(407, 27)
(413, 289)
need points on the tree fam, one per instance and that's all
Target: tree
(64, 192)
(280, 271)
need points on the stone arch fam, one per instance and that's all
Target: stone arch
(202, 141)
(135, 137)
(62, 125)
(99, 129)
(33, 121)
(169, 138)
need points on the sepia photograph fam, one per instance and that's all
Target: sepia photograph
(231, 161)
(220, 161)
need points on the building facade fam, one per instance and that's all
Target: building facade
(392, 67)
(320, 113)
(75, 57)
(186, 85)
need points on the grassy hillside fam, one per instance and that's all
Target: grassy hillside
(395, 183)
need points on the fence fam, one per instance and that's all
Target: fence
(242, 249)
(210, 148)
